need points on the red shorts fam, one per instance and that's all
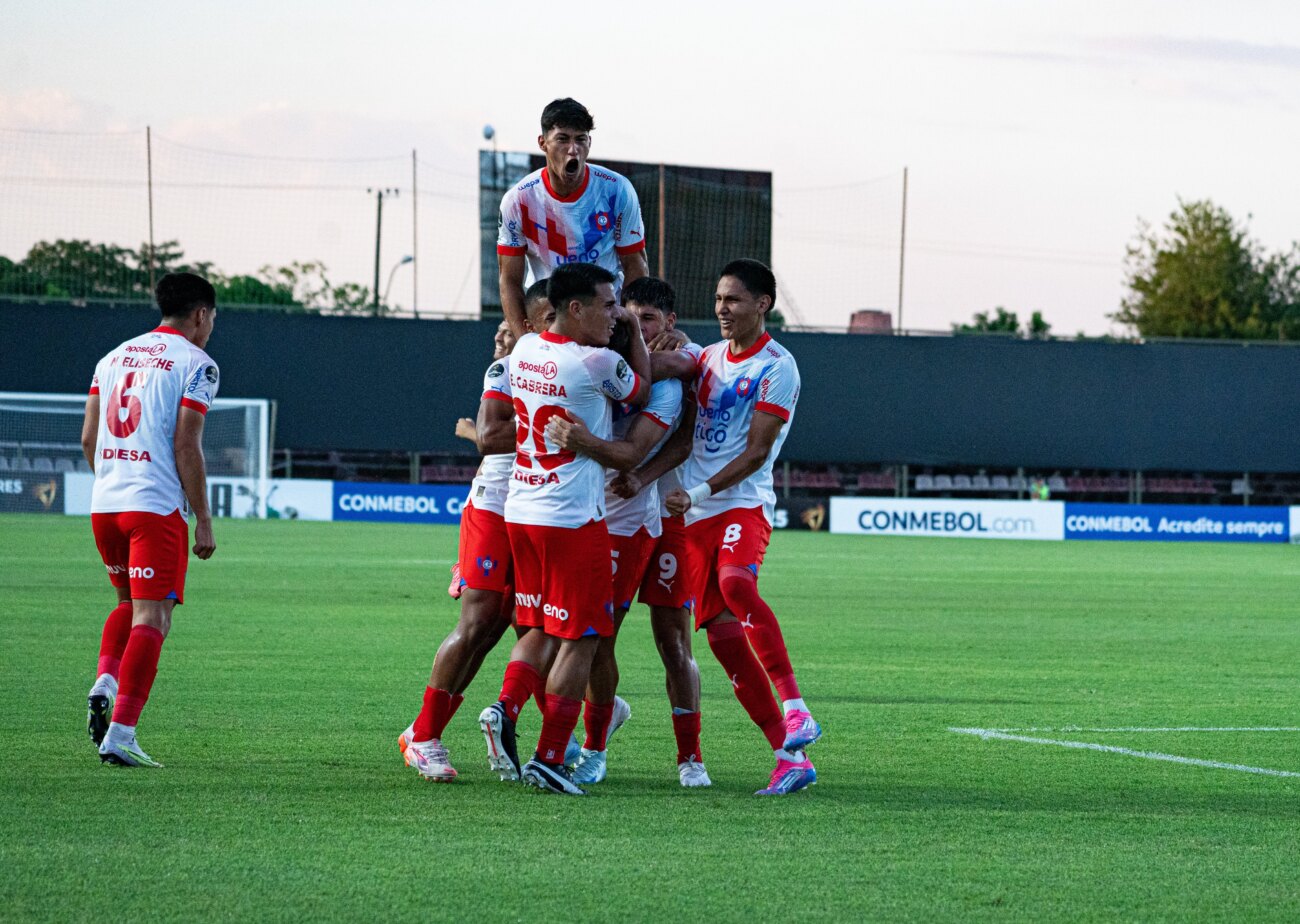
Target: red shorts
(562, 579)
(629, 557)
(147, 552)
(665, 584)
(736, 537)
(484, 550)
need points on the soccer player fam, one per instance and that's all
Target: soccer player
(746, 388)
(143, 436)
(567, 212)
(481, 579)
(554, 515)
(647, 549)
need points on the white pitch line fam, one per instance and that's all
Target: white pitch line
(990, 733)
(1138, 728)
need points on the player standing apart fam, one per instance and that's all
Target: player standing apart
(143, 436)
(567, 212)
(482, 577)
(555, 513)
(746, 389)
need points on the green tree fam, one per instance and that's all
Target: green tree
(1202, 275)
(1006, 322)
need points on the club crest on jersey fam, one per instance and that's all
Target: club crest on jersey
(743, 386)
(601, 219)
(486, 564)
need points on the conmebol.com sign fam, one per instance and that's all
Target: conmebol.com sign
(885, 516)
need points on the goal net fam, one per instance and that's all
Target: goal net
(40, 434)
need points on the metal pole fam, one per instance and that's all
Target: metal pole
(415, 237)
(663, 209)
(902, 251)
(379, 227)
(148, 153)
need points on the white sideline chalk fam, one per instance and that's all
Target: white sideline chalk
(993, 733)
(1139, 728)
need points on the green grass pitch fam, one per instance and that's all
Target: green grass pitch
(305, 647)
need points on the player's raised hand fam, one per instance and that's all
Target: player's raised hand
(677, 502)
(567, 434)
(465, 429)
(204, 543)
(667, 341)
(626, 485)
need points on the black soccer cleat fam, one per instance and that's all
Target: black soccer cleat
(499, 733)
(99, 713)
(554, 778)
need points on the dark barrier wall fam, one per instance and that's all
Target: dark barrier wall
(360, 383)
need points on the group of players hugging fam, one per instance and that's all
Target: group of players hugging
(621, 462)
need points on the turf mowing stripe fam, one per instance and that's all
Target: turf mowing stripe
(990, 733)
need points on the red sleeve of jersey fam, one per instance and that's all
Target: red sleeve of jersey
(630, 248)
(94, 389)
(774, 409)
(194, 405)
(661, 423)
(505, 251)
(497, 395)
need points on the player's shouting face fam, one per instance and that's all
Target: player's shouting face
(566, 152)
(740, 313)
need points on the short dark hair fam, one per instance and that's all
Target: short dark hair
(575, 280)
(534, 292)
(757, 278)
(649, 290)
(179, 295)
(567, 112)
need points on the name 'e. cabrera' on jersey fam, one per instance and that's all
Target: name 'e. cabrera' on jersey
(598, 223)
(554, 376)
(729, 390)
(142, 385)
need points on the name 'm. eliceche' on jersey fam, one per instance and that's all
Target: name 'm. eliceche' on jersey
(142, 385)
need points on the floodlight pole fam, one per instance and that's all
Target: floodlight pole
(415, 236)
(379, 230)
(148, 154)
(902, 252)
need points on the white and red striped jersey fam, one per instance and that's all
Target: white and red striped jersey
(142, 385)
(625, 516)
(597, 224)
(728, 391)
(551, 376)
(492, 481)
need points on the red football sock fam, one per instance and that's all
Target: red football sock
(456, 700)
(740, 591)
(434, 715)
(686, 729)
(595, 719)
(748, 680)
(520, 681)
(139, 667)
(112, 644)
(540, 696)
(561, 720)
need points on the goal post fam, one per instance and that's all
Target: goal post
(41, 433)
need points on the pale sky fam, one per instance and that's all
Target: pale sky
(1036, 134)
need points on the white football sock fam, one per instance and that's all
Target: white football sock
(790, 705)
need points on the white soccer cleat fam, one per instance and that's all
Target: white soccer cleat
(591, 768)
(693, 774)
(405, 738)
(125, 754)
(573, 753)
(499, 733)
(430, 759)
(622, 712)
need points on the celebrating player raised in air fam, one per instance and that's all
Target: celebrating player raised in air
(567, 212)
(143, 437)
(555, 513)
(746, 388)
(482, 575)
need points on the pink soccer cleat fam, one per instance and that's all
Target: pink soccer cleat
(801, 730)
(789, 777)
(454, 588)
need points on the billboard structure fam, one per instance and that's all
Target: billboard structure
(696, 220)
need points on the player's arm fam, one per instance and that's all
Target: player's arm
(673, 339)
(672, 364)
(465, 429)
(510, 279)
(90, 430)
(494, 430)
(638, 357)
(188, 445)
(670, 455)
(764, 428)
(621, 455)
(634, 266)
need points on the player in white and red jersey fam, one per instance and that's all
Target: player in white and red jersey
(647, 548)
(555, 515)
(567, 212)
(143, 437)
(746, 389)
(483, 573)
